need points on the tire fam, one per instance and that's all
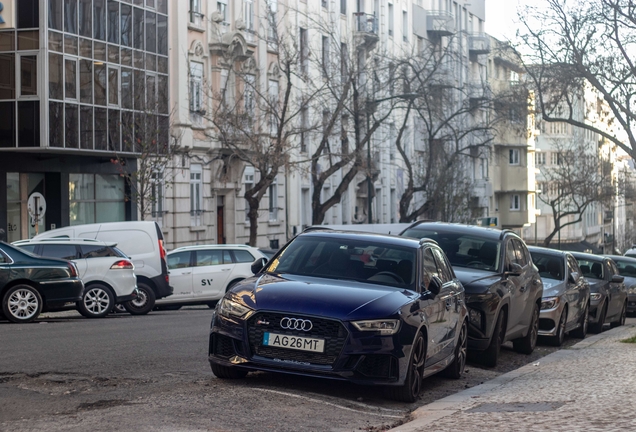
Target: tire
(581, 331)
(456, 368)
(597, 327)
(526, 344)
(489, 355)
(410, 390)
(228, 372)
(97, 301)
(144, 302)
(21, 304)
(621, 319)
(557, 340)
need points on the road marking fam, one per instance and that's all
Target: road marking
(336, 405)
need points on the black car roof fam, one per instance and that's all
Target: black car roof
(445, 227)
(588, 256)
(622, 258)
(370, 237)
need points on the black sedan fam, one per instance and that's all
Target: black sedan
(503, 287)
(627, 268)
(30, 284)
(368, 308)
(608, 295)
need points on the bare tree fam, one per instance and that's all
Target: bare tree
(579, 178)
(572, 44)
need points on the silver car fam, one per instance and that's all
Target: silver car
(627, 268)
(566, 295)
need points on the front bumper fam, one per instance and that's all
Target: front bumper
(482, 316)
(631, 303)
(549, 318)
(362, 359)
(594, 309)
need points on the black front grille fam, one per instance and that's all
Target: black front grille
(333, 332)
(378, 366)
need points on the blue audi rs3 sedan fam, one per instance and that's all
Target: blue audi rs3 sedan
(368, 308)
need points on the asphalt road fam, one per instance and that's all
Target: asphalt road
(150, 373)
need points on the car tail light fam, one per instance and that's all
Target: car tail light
(167, 279)
(162, 250)
(73, 269)
(123, 264)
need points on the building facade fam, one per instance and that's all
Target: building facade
(82, 83)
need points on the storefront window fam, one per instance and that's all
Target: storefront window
(96, 198)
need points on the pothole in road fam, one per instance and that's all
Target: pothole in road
(102, 404)
(60, 383)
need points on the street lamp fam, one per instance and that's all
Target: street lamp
(370, 107)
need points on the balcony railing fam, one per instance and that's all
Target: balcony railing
(440, 23)
(196, 18)
(478, 43)
(366, 23)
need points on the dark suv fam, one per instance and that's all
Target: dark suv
(503, 287)
(368, 308)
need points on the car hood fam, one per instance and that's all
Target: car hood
(553, 288)
(630, 281)
(476, 281)
(595, 285)
(340, 299)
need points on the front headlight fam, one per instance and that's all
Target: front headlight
(230, 308)
(595, 296)
(549, 302)
(385, 327)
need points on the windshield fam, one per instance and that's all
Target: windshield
(345, 258)
(626, 268)
(463, 250)
(591, 269)
(550, 267)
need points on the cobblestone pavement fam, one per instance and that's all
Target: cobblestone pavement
(590, 386)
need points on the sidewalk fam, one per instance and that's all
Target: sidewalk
(590, 386)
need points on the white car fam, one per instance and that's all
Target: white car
(202, 274)
(108, 274)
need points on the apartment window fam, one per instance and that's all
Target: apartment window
(558, 128)
(248, 14)
(325, 56)
(343, 7)
(196, 194)
(303, 130)
(273, 202)
(515, 203)
(248, 180)
(273, 100)
(221, 7)
(405, 26)
(556, 158)
(196, 86)
(195, 12)
(324, 3)
(343, 61)
(157, 194)
(271, 20)
(513, 156)
(248, 94)
(539, 158)
(391, 19)
(304, 51)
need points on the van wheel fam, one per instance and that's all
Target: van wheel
(97, 302)
(144, 302)
(21, 304)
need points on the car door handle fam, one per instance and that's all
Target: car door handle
(186, 273)
(226, 269)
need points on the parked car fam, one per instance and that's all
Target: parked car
(631, 253)
(142, 242)
(627, 268)
(368, 308)
(202, 274)
(30, 284)
(107, 273)
(503, 287)
(566, 295)
(608, 295)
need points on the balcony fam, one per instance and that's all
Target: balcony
(366, 30)
(440, 23)
(478, 43)
(477, 90)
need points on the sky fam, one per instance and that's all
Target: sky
(501, 18)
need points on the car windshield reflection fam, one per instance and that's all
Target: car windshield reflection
(335, 258)
(550, 267)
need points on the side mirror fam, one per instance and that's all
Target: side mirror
(435, 286)
(258, 265)
(617, 278)
(514, 269)
(574, 277)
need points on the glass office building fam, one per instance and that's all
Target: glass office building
(81, 81)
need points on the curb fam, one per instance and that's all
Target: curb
(423, 417)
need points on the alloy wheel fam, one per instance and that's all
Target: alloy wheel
(96, 300)
(417, 366)
(462, 353)
(535, 328)
(23, 304)
(141, 299)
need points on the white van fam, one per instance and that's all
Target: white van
(143, 243)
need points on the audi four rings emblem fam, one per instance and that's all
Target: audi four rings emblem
(296, 324)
